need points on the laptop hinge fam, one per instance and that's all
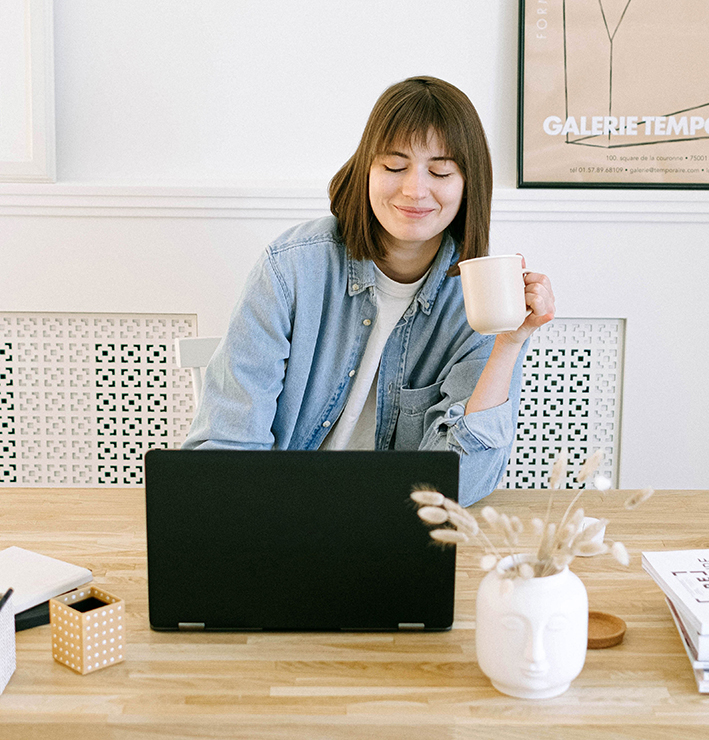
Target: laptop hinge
(190, 626)
(412, 626)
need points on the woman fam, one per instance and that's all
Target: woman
(351, 330)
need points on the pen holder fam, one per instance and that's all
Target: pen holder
(7, 643)
(88, 629)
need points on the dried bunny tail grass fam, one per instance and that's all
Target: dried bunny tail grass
(451, 505)
(507, 530)
(433, 514)
(517, 525)
(562, 560)
(632, 502)
(619, 552)
(557, 478)
(565, 536)
(570, 508)
(488, 562)
(558, 471)
(590, 466)
(466, 523)
(537, 526)
(449, 536)
(545, 544)
(427, 498)
(602, 483)
(588, 533)
(526, 571)
(501, 525)
(587, 548)
(547, 568)
(461, 515)
(577, 518)
(490, 516)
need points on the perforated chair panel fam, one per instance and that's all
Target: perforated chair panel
(83, 396)
(571, 396)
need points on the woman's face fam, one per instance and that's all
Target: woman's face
(415, 193)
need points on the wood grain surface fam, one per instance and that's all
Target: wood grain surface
(329, 686)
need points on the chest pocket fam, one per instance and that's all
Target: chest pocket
(413, 405)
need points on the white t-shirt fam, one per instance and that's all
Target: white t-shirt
(356, 427)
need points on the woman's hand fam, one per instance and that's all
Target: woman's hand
(540, 300)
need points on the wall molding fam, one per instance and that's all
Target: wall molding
(281, 202)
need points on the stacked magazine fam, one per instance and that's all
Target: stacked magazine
(683, 576)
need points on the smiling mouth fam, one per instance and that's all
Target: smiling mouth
(534, 672)
(414, 212)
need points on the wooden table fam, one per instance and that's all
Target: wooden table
(331, 686)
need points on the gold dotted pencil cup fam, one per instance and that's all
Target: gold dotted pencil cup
(88, 628)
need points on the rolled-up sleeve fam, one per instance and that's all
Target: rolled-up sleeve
(483, 439)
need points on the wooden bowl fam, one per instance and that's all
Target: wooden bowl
(604, 630)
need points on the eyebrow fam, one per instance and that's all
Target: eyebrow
(406, 156)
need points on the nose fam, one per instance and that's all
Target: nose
(534, 652)
(414, 185)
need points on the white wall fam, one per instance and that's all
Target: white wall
(219, 91)
(188, 134)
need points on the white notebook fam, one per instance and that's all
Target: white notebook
(36, 578)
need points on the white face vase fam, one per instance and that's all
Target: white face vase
(531, 639)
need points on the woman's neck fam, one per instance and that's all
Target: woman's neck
(406, 263)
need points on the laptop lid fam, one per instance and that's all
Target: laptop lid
(295, 540)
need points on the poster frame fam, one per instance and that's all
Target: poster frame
(524, 182)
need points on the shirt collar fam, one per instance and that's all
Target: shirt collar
(360, 274)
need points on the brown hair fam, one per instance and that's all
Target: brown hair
(407, 111)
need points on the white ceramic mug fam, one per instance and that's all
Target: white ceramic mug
(493, 289)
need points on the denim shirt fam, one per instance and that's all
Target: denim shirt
(282, 373)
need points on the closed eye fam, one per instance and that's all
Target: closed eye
(512, 622)
(435, 174)
(557, 623)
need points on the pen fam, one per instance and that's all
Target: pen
(5, 597)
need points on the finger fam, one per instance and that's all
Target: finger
(539, 289)
(536, 277)
(539, 300)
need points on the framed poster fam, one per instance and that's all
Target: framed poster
(613, 93)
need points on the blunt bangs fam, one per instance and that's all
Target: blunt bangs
(411, 124)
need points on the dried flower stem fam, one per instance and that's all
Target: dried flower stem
(590, 466)
(638, 498)
(558, 544)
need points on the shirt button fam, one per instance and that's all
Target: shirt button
(355, 286)
(351, 373)
(367, 322)
(326, 423)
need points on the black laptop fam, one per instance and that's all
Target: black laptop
(287, 540)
